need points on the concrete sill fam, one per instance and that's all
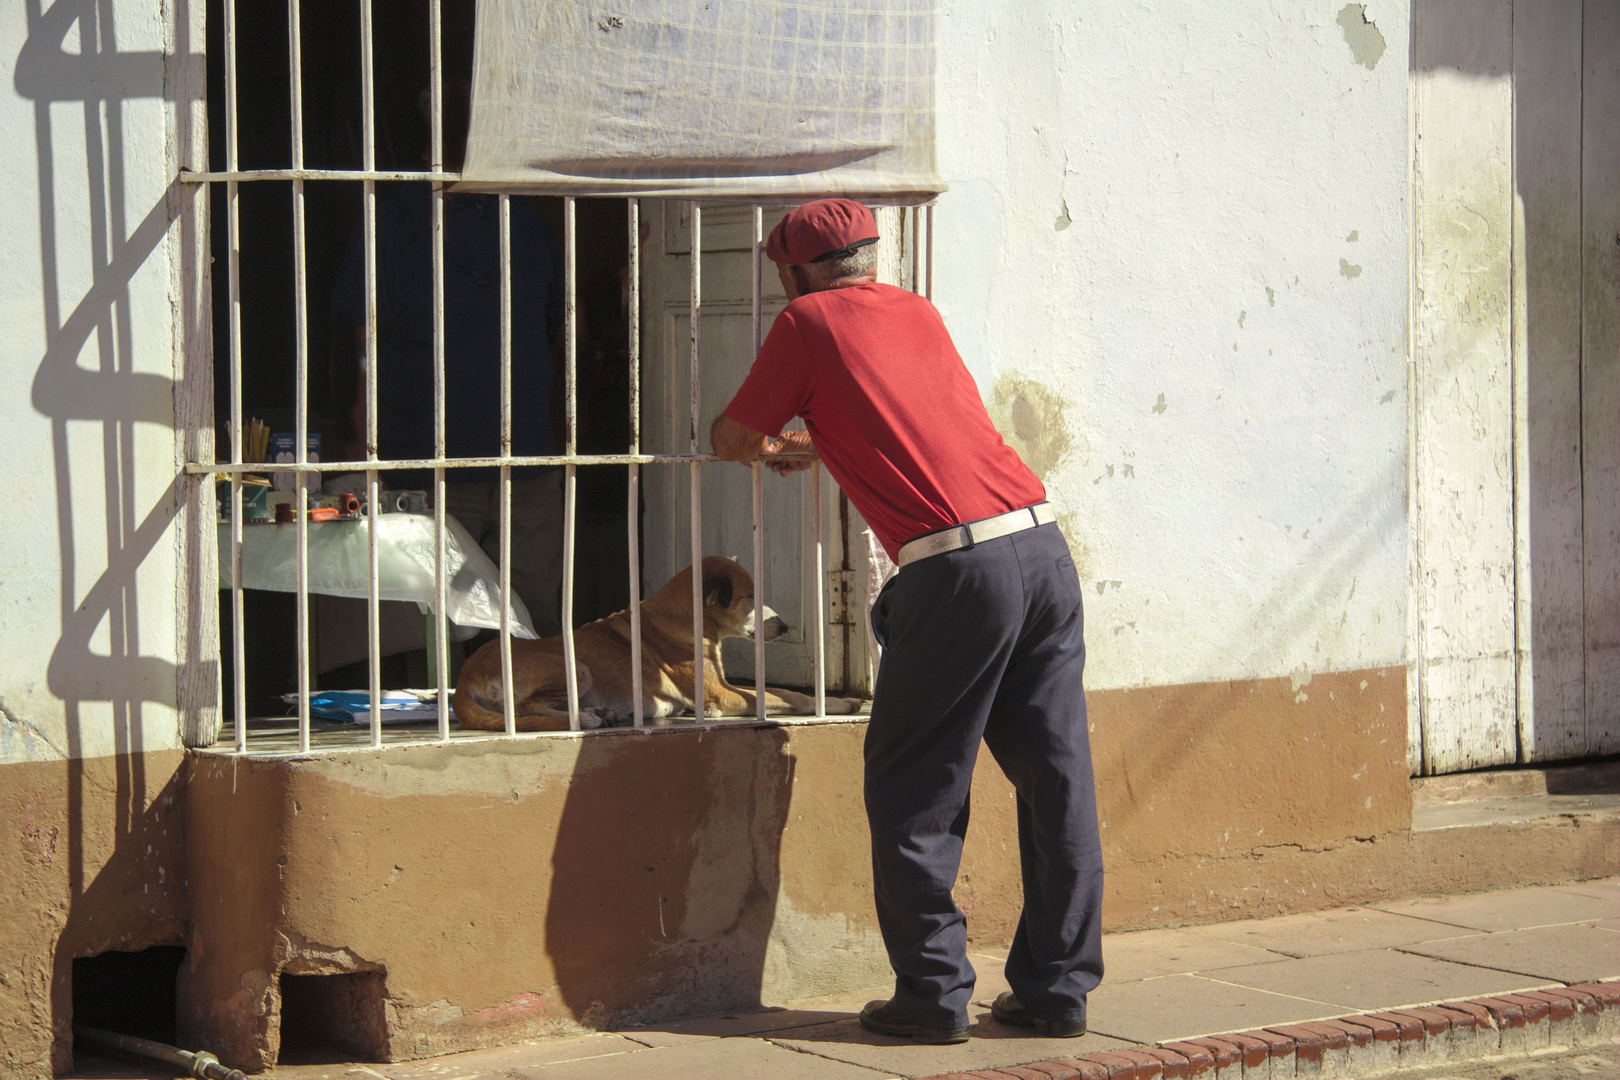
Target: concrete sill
(1589, 792)
(277, 737)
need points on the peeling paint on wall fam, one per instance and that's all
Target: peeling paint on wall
(1031, 418)
(21, 741)
(1361, 34)
(1034, 420)
(1349, 269)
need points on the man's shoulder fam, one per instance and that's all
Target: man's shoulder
(876, 299)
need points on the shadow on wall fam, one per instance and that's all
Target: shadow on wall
(88, 375)
(1327, 581)
(639, 928)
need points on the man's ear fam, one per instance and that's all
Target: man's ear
(717, 591)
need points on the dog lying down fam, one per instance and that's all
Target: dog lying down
(602, 658)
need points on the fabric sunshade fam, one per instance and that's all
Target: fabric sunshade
(695, 99)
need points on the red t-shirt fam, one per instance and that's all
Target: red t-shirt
(891, 408)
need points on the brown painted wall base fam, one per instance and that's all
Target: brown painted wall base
(1210, 795)
(483, 893)
(93, 860)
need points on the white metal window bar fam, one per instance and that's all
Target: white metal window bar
(921, 251)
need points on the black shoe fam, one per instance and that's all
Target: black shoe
(1009, 1010)
(874, 1019)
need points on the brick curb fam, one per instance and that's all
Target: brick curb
(1355, 1046)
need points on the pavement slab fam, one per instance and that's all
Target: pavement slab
(704, 1059)
(1377, 979)
(498, 1062)
(1518, 909)
(1321, 933)
(1181, 1006)
(1147, 954)
(1581, 952)
(1603, 888)
(734, 1025)
(992, 978)
(992, 1046)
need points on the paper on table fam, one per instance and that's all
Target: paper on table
(354, 706)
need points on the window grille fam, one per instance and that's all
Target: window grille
(920, 230)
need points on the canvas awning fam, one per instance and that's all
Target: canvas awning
(693, 99)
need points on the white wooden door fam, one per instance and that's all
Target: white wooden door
(727, 351)
(1566, 91)
(1516, 383)
(1547, 152)
(1599, 733)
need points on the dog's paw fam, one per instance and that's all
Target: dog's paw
(593, 718)
(848, 706)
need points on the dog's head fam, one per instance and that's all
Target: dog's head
(728, 602)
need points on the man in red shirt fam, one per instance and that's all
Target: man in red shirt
(981, 628)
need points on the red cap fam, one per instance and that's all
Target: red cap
(821, 228)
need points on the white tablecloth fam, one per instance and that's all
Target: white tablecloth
(338, 566)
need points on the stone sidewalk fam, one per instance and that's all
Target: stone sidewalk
(1268, 980)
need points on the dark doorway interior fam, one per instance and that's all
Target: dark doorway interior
(330, 53)
(132, 993)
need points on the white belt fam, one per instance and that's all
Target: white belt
(976, 532)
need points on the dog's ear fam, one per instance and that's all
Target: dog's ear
(717, 590)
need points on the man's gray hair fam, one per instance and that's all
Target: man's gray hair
(858, 263)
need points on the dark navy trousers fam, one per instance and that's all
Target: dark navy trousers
(984, 644)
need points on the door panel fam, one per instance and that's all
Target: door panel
(1600, 373)
(1516, 208)
(726, 353)
(1547, 153)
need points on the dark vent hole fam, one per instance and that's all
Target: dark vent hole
(332, 1018)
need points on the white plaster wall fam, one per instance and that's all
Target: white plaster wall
(1151, 216)
(1189, 223)
(88, 563)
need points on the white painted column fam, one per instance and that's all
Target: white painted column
(1462, 392)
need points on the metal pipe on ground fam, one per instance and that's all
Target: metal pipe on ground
(199, 1063)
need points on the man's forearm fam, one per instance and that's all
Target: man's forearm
(734, 441)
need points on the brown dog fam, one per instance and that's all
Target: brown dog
(602, 659)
